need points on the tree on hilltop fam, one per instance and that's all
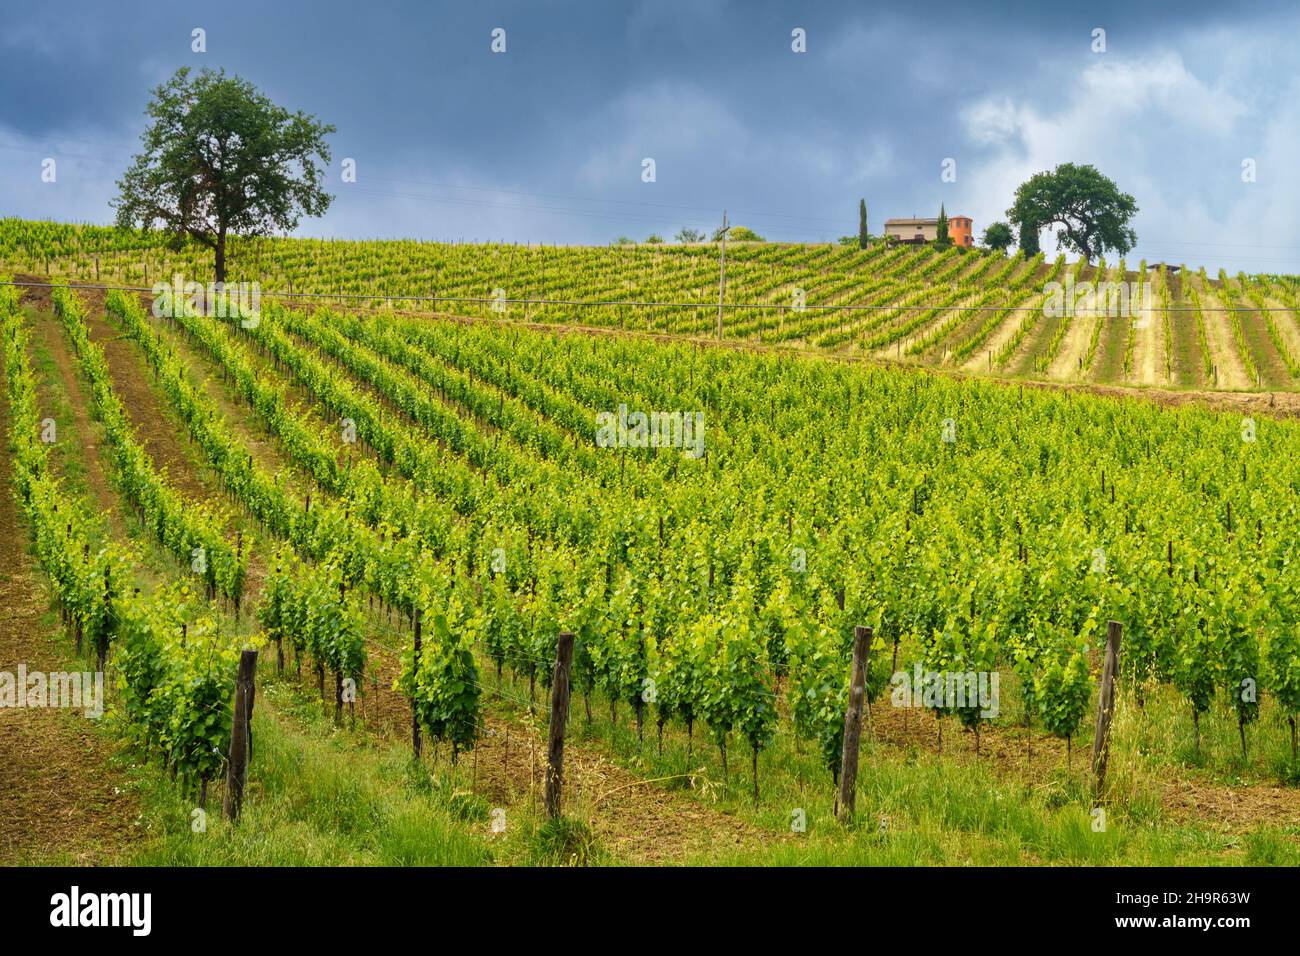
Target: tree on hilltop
(1091, 213)
(221, 159)
(999, 237)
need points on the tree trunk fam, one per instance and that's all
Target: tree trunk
(221, 255)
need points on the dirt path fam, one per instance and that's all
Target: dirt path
(979, 362)
(162, 435)
(638, 820)
(1285, 323)
(1218, 330)
(1021, 362)
(1065, 367)
(149, 419)
(1188, 365)
(59, 797)
(49, 334)
(1149, 343)
(1232, 810)
(1111, 350)
(1270, 365)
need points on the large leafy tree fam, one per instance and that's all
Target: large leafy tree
(1090, 213)
(220, 159)
(999, 236)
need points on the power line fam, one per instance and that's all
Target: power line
(631, 303)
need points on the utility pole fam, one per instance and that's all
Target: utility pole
(722, 274)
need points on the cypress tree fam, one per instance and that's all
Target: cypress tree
(941, 238)
(862, 224)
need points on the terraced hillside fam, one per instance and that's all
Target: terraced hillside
(972, 310)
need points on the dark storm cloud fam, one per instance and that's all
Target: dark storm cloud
(545, 142)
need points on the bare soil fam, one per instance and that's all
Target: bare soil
(59, 797)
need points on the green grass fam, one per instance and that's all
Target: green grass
(917, 807)
(321, 795)
(317, 797)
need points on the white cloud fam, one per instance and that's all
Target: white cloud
(1169, 136)
(1162, 83)
(992, 121)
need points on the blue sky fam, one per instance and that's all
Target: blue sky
(545, 142)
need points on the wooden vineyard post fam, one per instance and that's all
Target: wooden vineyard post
(239, 553)
(853, 722)
(240, 734)
(101, 639)
(415, 670)
(1105, 705)
(559, 714)
(722, 273)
